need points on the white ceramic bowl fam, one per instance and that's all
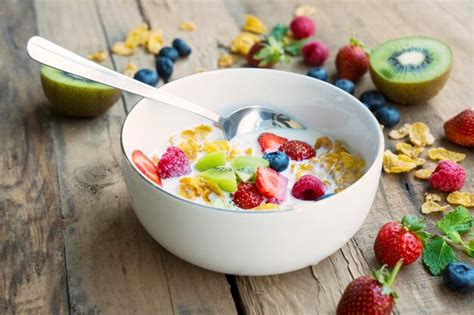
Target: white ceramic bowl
(253, 242)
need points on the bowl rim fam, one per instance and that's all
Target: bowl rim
(374, 164)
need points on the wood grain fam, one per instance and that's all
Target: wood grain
(32, 273)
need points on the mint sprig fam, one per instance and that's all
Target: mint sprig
(437, 254)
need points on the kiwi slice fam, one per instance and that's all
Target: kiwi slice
(211, 160)
(246, 174)
(248, 162)
(222, 176)
(410, 70)
(75, 96)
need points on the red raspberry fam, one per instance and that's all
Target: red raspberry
(302, 27)
(173, 163)
(315, 53)
(308, 187)
(297, 150)
(447, 176)
(247, 196)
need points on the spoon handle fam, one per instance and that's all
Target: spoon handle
(60, 58)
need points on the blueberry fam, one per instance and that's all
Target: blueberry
(345, 85)
(169, 52)
(147, 76)
(278, 160)
(373, 99)
(318, 73)
(388, 116)
(326, 196)
(164, 67)
(459, 276)
(183, 49)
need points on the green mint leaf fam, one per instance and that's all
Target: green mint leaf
(294, 48)
(469, 247)
(278, 32)
(455, 222)
(437, 254)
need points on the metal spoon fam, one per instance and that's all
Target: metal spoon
(245, 119)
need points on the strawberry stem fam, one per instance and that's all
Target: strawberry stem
(395, 270)
(355, 42)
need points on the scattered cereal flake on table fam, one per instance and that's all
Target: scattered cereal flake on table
(323, 142)
(465, 199)
(420, 135)
(266, 206)
(119, 48)
(443, 154)
(130, 69)
(409, 150)
(423, 173)
(419, 161)
(242, 43)
(187, 26)
(155, 42)
(432, 197)
(254, 24)
(98, 56)
(226, 60)
(217, 145)
(400, 133)
(137, 36)
(432, 206)
(305, 10)
(397, 163)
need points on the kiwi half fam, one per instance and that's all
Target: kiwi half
(75, 96)
(410, 70)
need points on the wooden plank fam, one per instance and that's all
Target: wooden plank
(191, 289)
(32, 272)
(318, 289)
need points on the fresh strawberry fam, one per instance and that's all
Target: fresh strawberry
(271, 183)
(400, 241)
(254, 61)
(247, 196)
(370, 295)
(297, 150)
(460, 128)
(267, 53)
(352, 61)
(270, 142)
(146, 166)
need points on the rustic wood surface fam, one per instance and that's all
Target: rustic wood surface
(69, 240)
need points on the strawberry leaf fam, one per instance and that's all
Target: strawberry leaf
(437, 254)
(413, 223)
(456, 222)
(278, 32)
(294, 48)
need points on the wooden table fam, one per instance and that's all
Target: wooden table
(69, 240)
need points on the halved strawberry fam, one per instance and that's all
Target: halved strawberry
(270, 142)
(146, 166)
(460, 128)
(271, 183)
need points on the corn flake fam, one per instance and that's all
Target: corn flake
(130, 69)
(119, 48)
(305, 10)
(323, 142)
(254, 24)
(400, 133)
(242, 43)
(423, 173)
(432, 197)
(397, 163)
(98, 56)
(137, 36)
(155, 42)
(266, 206)
(248, 151)
(194, 187)
(188, 26)
(420, 135)
(190, 147)
(443, 154)
(465, 199)
(409, 150)
(432, 206)
(217, 145)
(226, 60)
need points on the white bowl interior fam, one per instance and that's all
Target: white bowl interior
(318, 105)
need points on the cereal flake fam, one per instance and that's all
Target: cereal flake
(242, 43)
(409, 150)
(305, 10)
(254, 24)
(465, 199)
(443, 154)
(423, 173)
(397, 163)
(187, 26)
(98, 56)
(420, 135)
(400, 133)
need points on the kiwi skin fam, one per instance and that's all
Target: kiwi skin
(77, 101)
(409, 93)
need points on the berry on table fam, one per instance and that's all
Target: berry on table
(308, 187)
(247, 196)
(352, 61)
(173, 163)
(146, 166)
(302, 27)
(271, 183)
(387, 116)
(369, 295)
(147, 76)
(460, 128)
(169, 52)
(270, 142)
(315, 53)
(297, 150)
(279, 161)
(318, 73)
(345, 85)
(164, 67)
(182, 47)
(399, 241)
(459, 276)
(448, 176)
(373, 99)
